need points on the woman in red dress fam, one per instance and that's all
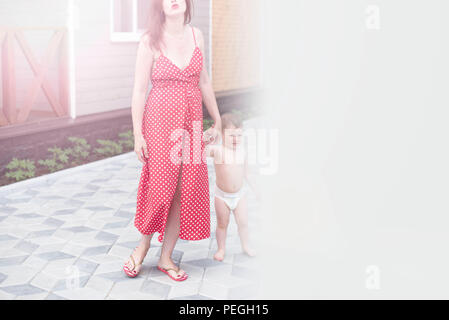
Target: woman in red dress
(173, 193)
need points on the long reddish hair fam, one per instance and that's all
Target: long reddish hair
(157, 19)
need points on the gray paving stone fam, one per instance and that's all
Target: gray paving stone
(51, 197)
(2, 277)
(31, 192)
(55, 255)
(106, 236)
(243, 292)
(63, 285)
(68, 182)
(155, 288)
(96, 250)
(124, 214)
(23, 289)
(28, 215)
(53, 296)
(244, 273)
(26, 246)
(115, 191)
(83, 195)
(20, 200)
(100, 180)
(205, 263)
(74, 203)
(193, 297)
(41, 233)
(242, 257)
(99, 208)
(53, 222)
(92, 187)
(12, 261)
(129, 244)
(86, 266)
(7, 210)
(64, 212)
(7, 237)
(129, 205)
(177, 256)
(90, 180)
(115, 225)
(116, 276)
(79, 229)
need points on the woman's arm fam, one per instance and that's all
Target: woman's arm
(144, 65)
(206, 87)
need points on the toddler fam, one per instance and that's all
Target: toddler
(231, 186)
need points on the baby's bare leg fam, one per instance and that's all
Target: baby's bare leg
(241, 218)
(222, 211)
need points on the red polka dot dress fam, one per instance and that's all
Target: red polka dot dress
(172, 127)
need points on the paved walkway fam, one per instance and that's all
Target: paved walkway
(66, 235)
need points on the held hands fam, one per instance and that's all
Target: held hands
(140, 148)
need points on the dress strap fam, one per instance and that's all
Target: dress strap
(193, 32)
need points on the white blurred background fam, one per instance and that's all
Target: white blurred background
(359, 92)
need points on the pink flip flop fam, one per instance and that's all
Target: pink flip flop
(165, 270)
(132, 272)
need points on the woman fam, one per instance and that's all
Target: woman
(173, 193)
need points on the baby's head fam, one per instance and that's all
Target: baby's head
(231, 126)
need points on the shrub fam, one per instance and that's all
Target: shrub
(59, 159)
(127, 139)
(80, 150)
(20, 169)
(110, 148)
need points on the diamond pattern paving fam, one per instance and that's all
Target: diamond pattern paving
(66, 235)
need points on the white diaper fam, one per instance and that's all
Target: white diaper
(231, 199)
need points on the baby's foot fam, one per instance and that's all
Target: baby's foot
(249, 251)
(219, 255)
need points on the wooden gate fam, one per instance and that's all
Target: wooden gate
(10, 113)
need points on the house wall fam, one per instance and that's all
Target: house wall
(236, 41)
(105, 70)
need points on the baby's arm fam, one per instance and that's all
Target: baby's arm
(210, 150)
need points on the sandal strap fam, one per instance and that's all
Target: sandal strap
(173, 269)
(134, 262)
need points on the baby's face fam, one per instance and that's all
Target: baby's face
(232, 137)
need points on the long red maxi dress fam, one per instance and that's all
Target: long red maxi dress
(172, 127)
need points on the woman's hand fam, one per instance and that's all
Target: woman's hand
(140, 148)
(212, 134)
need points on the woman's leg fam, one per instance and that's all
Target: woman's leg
(171, 232)
(140, 252)
(222, 211)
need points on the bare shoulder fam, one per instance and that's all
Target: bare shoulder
(198, 34)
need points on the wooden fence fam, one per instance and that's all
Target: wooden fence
(11, 113)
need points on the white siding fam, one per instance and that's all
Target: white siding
(105, 69)
(201, 20)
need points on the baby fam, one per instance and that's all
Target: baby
(231, 169)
